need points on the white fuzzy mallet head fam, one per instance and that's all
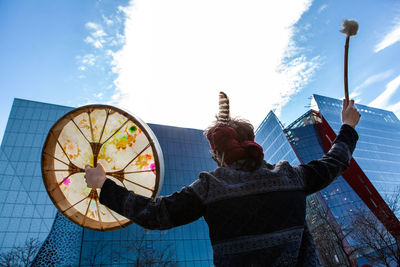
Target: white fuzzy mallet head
(349, 27)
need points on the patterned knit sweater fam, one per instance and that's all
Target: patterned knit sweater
(255, 218)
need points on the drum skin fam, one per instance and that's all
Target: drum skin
(122, 143)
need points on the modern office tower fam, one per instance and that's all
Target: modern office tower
(378, 149)
(27, 211)
(274, 140)
(371, 179)
(374, 174)
(336, 201)
(271, 137)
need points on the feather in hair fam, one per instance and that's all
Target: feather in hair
(223, 115)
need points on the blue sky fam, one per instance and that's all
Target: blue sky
(166, 61)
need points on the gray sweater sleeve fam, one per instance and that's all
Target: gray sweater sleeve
(318, 174)
(158, 213)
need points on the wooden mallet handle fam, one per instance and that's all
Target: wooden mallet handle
(346, 60)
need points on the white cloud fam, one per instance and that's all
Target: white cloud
(107, 21)
(322, 8)
(392, 37)
(356, 92)
(98, 95)
(97, 30)
(179, 54)
(98, 43)
(97, 34)
(383, 99)
(124, 9)
(88, 59)
(92, 26)
(98, 37)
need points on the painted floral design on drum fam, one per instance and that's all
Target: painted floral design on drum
(91, 135)
(71, 149)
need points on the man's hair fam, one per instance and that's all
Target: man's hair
(243, 128)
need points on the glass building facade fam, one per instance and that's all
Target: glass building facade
(27, 211)
(378, 147)
(299, 143)
(271, 137)
(377, 153)
(373, 174)
(338, 200)
(303, 134)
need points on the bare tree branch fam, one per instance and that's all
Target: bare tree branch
(21, 256)
(375, 242)
(140, 251)
(330, 239)
(95, 252)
